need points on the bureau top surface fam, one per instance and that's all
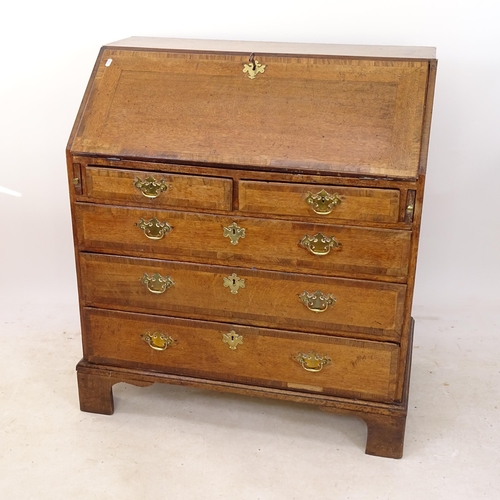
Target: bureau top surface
(283, 48)
(340, 109)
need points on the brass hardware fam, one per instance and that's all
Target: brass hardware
(232, 339)
(234, 283)
(157, 283)
(254, 67)
(153, 228)
(77, 178)
(312, 361)
(410, 206)
(319, 244)
(318, 301)
(150, 187)
(323, 202)
(234, 233)
(157, 340)
(409, 213)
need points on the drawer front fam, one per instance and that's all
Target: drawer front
(282, 359)
(249, 242)
(261, 298)
(159, 190)
(323, 201)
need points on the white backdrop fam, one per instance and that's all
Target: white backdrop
(48, 51)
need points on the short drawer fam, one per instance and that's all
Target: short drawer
(157, 189)
(328, 202)
(262, 298)
(248, 242)
(298, 361)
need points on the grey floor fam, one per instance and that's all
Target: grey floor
(168, 442)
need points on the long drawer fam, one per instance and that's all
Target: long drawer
(261, 298)
(249, 242)
(283, 359)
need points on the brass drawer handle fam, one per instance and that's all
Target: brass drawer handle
(157, 283)
(318, 301)
(323, 202)
(232, 339)
(234, 233)
(153, 228)
(157, 340)
(319, 244)
(312, 361)
(150, 187)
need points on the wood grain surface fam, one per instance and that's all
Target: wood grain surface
(182, 191)
(357, 204)
(360, 116)
(267, 244)
(268, 299)
(359, 369)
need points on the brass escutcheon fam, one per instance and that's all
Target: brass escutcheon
(150, 187)
(153, 228)
(234, 233)
(253, 68)
(312, 361)
(323, 202)
(157, 283)
(157, 340)
(318, 301)
(234, 283)
(319, 244)
(232, 339)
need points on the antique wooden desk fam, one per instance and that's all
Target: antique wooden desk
(246, 219)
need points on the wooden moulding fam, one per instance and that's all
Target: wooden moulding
(385, 422)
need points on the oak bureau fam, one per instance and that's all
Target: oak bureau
(246, 219)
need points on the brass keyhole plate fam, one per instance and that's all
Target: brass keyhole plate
(234, 283)
(232, 339)
(234, 233)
